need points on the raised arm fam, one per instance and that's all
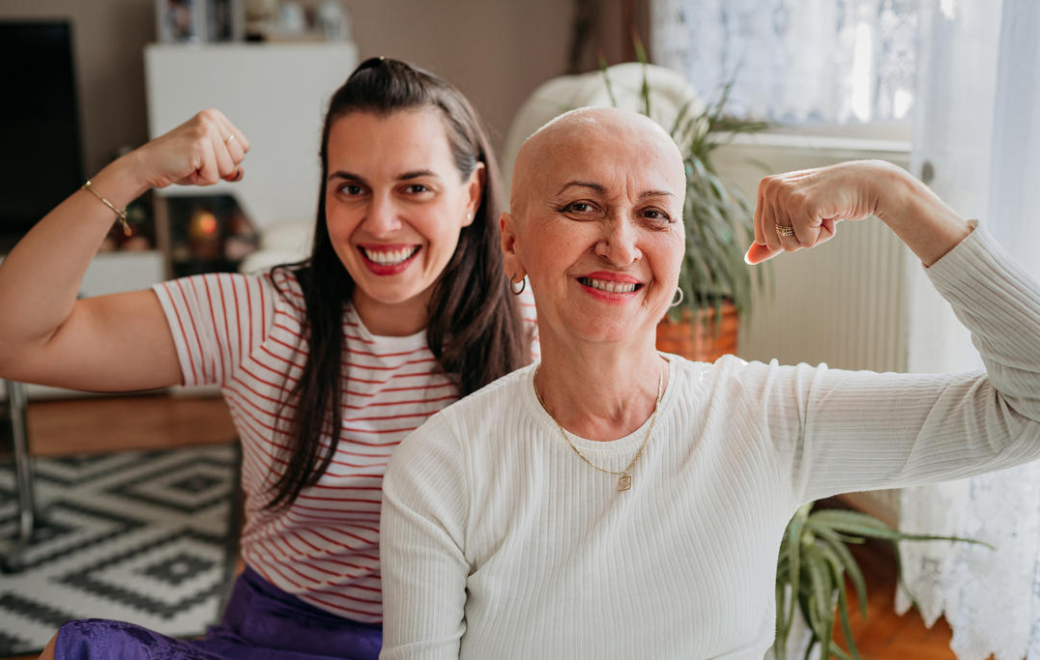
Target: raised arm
(110, 343)
(812, 202)
(859, 430)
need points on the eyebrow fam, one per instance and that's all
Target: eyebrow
(601, 189)
(407, 176)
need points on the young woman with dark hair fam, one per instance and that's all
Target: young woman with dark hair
(402, 308)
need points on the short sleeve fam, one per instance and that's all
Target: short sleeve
(216, 320)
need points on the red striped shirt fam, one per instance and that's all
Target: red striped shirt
(241, 333)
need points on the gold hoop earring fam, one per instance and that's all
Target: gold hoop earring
(512, 286)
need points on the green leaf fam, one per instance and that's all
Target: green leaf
(851, 566)
(822, 596)
(853, 522)
(680, 118)
(640, 51)
(783, 626)
(837, 565)
(644, 92)
(899, 577)
(603, 66)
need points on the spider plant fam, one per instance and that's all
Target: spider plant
(814, 561)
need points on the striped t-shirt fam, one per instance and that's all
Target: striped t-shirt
(247, 336)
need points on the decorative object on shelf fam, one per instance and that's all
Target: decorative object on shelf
(224, 20)
(333, 21)
(291, 21)
(208, 234)
(813, 562)
(180, 20)
(260, 16)
(189, 21)
(204, 235)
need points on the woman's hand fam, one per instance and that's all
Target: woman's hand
(811, 203)
(801, 209)
(200, 152)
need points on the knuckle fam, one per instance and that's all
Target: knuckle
(764, 185)
(797, 198)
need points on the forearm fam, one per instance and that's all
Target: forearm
(921, 220)
(41, 277)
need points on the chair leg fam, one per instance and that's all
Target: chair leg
(24, 477)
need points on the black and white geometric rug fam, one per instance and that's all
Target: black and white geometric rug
(142, 536)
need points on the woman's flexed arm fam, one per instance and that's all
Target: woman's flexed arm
(116, 342)
(800, 210)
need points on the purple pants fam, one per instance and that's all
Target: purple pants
(261, 622)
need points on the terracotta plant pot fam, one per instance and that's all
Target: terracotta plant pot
(696, 337)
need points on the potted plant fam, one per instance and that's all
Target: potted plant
(811, 592)
(715, 282)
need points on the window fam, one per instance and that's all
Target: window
(795, 62)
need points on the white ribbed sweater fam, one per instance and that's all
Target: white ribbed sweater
(499, 542)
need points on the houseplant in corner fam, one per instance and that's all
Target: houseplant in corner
(811, 592)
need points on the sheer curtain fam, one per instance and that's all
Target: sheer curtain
(794, 61)
(977, 143)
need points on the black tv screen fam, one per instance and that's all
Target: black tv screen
(39, 124)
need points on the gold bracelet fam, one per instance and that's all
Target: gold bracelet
(121, 214)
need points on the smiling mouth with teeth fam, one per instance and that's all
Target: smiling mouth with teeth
(389, 257)
(610, 286)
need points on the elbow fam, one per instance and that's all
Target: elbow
(7, 358)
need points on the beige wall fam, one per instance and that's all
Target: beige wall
(496, 51)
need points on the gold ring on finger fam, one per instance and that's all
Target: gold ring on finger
(229, 138)
(784, 230)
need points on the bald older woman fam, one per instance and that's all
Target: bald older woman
(615, 502)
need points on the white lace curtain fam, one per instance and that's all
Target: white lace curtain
(977, 137)
(794, 61)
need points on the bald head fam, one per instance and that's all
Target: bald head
(580, 142)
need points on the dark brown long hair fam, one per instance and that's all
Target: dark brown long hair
(475, 329)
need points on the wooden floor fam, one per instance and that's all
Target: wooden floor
(162, 421)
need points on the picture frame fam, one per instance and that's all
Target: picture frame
(198, 21)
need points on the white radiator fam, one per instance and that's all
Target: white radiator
(843, 303)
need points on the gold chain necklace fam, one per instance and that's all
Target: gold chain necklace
(624, 478)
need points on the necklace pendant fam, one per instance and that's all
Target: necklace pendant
(624, 483)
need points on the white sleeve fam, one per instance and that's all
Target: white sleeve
(863, 431)
(216, 319)
(422, 545)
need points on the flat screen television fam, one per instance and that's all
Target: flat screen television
(39, 124)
